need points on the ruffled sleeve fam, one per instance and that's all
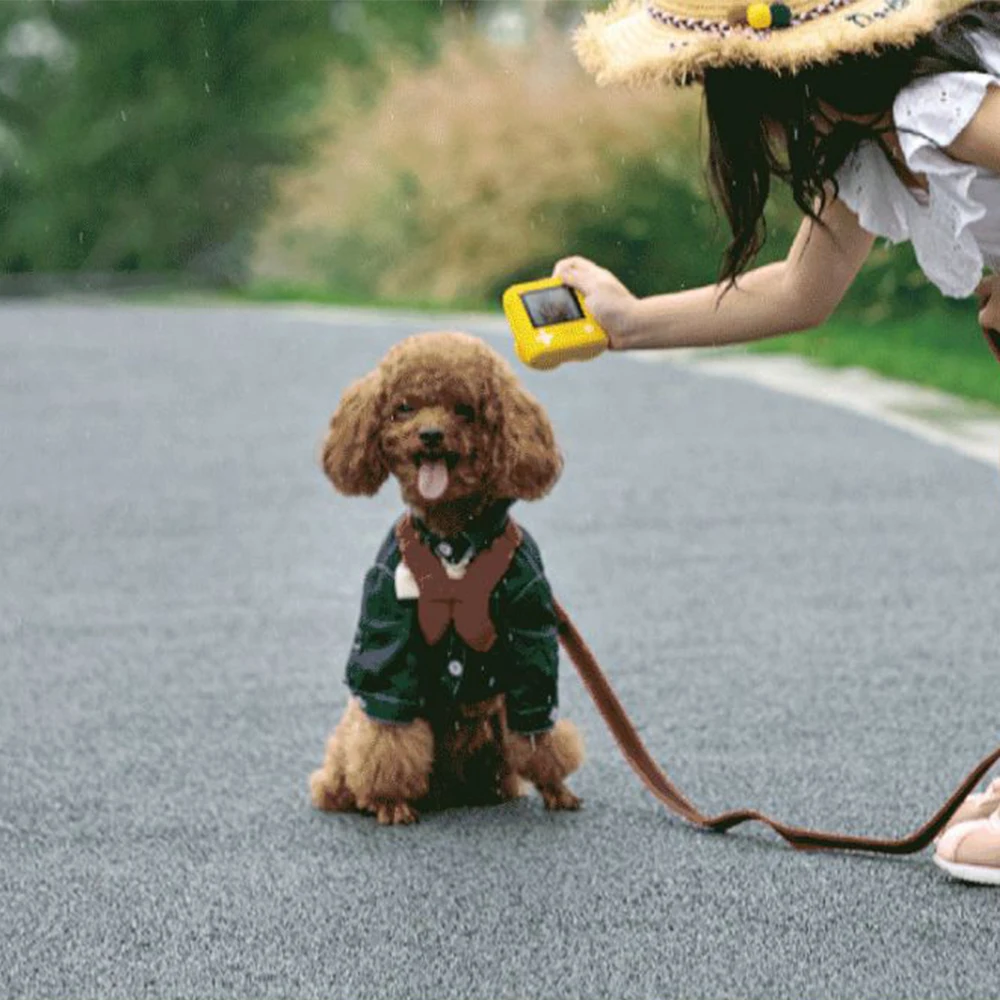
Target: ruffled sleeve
(929, 114)
(867, 185)
(939, 107)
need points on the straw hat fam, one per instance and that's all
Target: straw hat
(673, 41)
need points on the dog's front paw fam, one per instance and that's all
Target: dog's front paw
(560, 797)
(394, 813)
(329, 794)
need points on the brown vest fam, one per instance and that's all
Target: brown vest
(465, 602)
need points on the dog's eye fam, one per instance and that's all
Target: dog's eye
(465, 411)
(402, 409)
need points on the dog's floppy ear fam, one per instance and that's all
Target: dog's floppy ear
(352, 452)
(526, 460)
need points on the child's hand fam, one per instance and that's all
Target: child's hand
(988, 292)
(609, 301)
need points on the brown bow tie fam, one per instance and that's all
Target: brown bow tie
(465, 602)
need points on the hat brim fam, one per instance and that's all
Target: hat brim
(627, 45)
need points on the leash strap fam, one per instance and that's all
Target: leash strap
(671, 796)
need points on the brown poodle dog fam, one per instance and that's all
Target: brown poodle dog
(453, 670)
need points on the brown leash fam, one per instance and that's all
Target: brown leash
(671, 796)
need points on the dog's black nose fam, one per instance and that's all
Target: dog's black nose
(432, 437)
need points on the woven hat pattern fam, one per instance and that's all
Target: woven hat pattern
(642, 42)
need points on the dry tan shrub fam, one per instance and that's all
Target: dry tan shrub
(440, 186)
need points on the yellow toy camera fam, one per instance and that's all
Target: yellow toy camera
(551, 324)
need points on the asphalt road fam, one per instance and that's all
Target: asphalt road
(797, 605)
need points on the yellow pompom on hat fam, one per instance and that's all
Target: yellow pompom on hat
(640, 42)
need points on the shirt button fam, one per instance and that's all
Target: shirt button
(455, 668)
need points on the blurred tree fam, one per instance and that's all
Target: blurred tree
(366, 30)
(142, 136)
(653, 227)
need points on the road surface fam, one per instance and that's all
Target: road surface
(797, 605)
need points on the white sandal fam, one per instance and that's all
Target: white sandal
(970, 851)
(978, 805)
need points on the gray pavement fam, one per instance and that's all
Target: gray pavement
(797, 605)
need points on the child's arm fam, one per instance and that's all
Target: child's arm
(979, 141)
(798, 293)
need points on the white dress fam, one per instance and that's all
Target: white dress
(955, 225)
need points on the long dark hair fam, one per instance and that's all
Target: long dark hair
(743, 106)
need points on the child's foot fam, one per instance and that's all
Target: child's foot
(970, 851)
(978, 805)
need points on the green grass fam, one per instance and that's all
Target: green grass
(944, 350)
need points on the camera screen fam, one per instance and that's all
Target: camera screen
(552, 305)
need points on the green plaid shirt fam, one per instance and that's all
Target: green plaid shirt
(398, 677)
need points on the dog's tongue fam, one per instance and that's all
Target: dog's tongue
(432, 479)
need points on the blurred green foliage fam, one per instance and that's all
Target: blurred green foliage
(143, 136)
(146, 137)
(659, 232)
(652, 228)
(891, 286)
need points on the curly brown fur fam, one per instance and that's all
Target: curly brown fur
(352, 452)
(392, 771)
(546, 760)
(451, 400)
(495, 438)
(373, 767)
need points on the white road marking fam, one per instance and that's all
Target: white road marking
(969, 428)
